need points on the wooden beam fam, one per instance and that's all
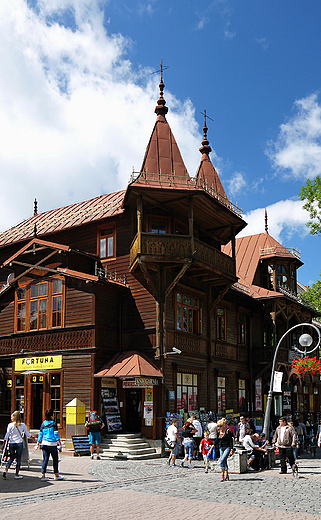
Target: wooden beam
(177, 277)
(148, 279)
(37, 265)
(220, 296)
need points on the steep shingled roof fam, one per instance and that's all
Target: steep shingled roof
(66, 217)
(249, 251)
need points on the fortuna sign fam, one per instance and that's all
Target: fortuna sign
(39, 362)
(140, 382)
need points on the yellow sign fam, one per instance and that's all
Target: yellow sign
(9, 383)
(38, 363)
(149, 394)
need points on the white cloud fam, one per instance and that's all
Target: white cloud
(75, 117)
(285, 219)
(263, 42)
(297, 150)
(236, 183)
(202, 22)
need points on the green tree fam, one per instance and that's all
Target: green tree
(312, 296)
(311, 194)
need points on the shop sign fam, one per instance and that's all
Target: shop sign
(221, 382)
(287, 400)
(38, 363)
(140, 382)
(108, 382)
(277, 382)
(9, 383)
(241, 384)
(171, 394)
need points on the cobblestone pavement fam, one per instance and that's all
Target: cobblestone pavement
(140, 490)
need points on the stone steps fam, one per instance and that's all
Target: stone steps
(126, 446)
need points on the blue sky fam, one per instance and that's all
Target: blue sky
(77, 99)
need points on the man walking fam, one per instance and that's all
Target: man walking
(285, 438)
(241, 429)
(173, 441)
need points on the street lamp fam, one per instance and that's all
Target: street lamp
(305, 341)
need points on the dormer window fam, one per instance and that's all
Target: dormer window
(282, 276)
(106, 241)
(268, 277)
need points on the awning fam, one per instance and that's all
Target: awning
(129, 364)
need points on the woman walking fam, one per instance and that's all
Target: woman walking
(188, 431)
(14, 436)
(49, 439)
(225, 443)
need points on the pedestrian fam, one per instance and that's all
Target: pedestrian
(49, 441)
(173, 441)
(285, 439)
(94, 425)
(225, 444)
(207, 447)
(241, 429)
(198, 435)
(16, 430)
(188, 431)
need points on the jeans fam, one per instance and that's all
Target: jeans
(286, 452)
(15, 453)
(189, 446)
(47, 451)
(224, 453)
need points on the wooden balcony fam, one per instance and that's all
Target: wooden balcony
(153, 248)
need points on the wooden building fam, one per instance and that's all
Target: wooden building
(96, 295)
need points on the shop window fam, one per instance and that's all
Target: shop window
(220, 324)
(55, 394)
(107, 241)
(221, 401)
(186, 392)
(39, 305)
(20, 394)
(242, 329)
(242, 395)
(188, 316)
(159, 225)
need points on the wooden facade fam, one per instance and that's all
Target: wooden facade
(147, 269)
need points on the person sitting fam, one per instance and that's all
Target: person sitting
(254, 451)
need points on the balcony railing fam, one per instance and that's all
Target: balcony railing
(178, 248)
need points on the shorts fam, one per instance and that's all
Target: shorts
(175, 449)
(94, 437)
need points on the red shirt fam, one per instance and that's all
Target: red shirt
(206, 443)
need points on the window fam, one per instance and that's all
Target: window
(282, 276)
(186, 392)
(220, 324)
(268, 277)
(221, 401)
(39, 305)
(242, 329)
(158, 224)
(55, 390)
(187, 313)
(107, 241)
(20, 394)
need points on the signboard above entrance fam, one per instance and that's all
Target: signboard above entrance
(38, 363)
(140, 382)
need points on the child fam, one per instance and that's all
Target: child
(207, 447)
(312, 445)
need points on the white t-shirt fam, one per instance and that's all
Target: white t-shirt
(212, 430)
(248, 443)
(13, 435)
(198, 427)
(171, 430)
(282, 432)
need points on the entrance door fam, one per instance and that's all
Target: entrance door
(134, 409)
(36, 405)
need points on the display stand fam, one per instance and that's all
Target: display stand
(110, 408)
(80, 444)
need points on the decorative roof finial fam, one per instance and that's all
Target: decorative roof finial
(205, 148)
(35, 231)
(35, 207)
(266, 222)
(161, 108)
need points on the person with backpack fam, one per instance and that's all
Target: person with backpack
(49, 440)
(94, 425)
(16, 430)
(188, 431)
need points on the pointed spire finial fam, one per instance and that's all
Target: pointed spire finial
(205, 148)
(266, 222)
(161, 108)
(35, 207)
(35, 231)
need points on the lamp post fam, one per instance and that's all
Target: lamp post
(305, 341)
